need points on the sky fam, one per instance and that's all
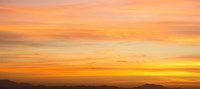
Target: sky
(100, 42)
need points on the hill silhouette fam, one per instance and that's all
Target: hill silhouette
(7, 84)
(151, 86)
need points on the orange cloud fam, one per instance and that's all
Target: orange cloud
(108, 34)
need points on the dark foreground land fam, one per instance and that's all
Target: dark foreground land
(7, 84)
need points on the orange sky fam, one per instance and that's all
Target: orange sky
(98, 42)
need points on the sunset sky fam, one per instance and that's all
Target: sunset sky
(100, 42)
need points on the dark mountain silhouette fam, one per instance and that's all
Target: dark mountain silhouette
(151, 86)
(7, 84)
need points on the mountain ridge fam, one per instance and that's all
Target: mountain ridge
(7, 84)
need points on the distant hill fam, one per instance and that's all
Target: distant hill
(7, 84)
(151, 86)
